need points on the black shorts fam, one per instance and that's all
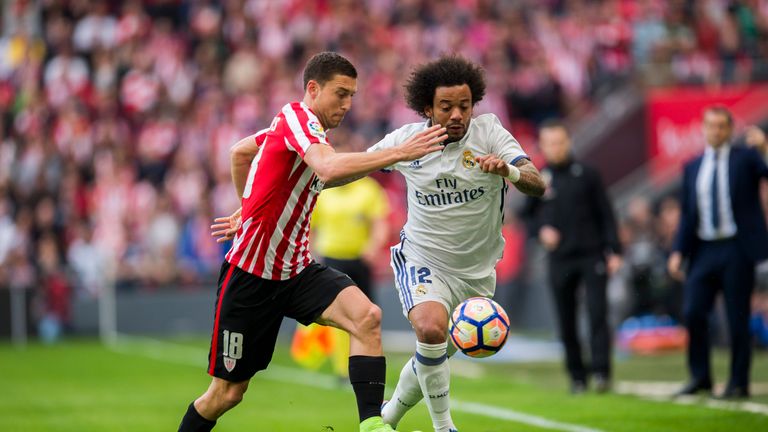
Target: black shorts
(356, 269)
(249, 311)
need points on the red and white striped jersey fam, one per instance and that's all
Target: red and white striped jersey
(279, 197)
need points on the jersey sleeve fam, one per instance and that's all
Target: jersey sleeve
(260, 136)
(302, 129)
(503, 144)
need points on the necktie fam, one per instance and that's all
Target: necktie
(715, 195)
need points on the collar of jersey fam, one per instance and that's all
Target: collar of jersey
(303, 105)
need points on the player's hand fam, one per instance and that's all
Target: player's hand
(226, 227)
(493, 165)
(549, 237)
(422, 143)
(613, 263)
(675, 266)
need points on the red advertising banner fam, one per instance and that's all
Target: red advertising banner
(674, 121)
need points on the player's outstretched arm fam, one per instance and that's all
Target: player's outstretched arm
(523, 174)
(241, 155)
(332, 167)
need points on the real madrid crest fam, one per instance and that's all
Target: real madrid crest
(420, 290)
(468, 160)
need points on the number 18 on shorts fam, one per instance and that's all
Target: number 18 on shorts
(232, 343)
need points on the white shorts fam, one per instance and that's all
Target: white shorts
(417, 283)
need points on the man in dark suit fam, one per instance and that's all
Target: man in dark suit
(723, 234)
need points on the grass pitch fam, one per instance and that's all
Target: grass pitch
(146, 385)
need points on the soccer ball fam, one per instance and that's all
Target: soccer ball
(479, 327)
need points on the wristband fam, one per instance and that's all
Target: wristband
(514, 173)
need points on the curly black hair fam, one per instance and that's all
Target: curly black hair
(323, 66)
(447, 71)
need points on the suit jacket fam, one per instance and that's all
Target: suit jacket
(745, 169)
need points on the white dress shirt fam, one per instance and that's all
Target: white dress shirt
(727, 226)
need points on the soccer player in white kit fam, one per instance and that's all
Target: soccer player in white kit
(452, 238)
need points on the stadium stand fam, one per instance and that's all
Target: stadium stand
(118, 115)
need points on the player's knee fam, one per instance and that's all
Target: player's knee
(232, 396)
(227, 396)
(431, 332)
(366, 323)
(371, 321)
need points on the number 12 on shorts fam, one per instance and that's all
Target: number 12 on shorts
(422, 273)
(233, 345)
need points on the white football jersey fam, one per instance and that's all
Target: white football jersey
(454, 209)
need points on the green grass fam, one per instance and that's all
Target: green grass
(146, 386)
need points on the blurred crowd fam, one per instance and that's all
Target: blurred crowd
(117, 116)
(647, 232)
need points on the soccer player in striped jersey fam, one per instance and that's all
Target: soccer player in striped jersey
(269, 274)
(452, 240)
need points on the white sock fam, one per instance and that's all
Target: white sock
(435, 378)
(406, 395)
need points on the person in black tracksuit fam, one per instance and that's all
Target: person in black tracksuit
(575, 223)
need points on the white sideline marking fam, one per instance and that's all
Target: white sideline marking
(185, 355)
(515, 416)
(654, 391)
(661, 391)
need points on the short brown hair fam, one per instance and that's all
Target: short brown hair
(553, 123)
(721, 110)
(323, 66)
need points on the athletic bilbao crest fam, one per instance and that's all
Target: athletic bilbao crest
(229, 363)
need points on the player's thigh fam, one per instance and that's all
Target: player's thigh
(417, 283)
(357, 270)
(352, 311)
(247, 320)
(325, 295)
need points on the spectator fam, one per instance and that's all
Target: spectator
(53, 300)
(666, 228)
(96, 29)
(98, 97)
(87, 261)
(642, 257)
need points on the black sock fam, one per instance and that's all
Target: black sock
(367, 376)
(194, 422)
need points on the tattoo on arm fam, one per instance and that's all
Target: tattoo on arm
(530, 182)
